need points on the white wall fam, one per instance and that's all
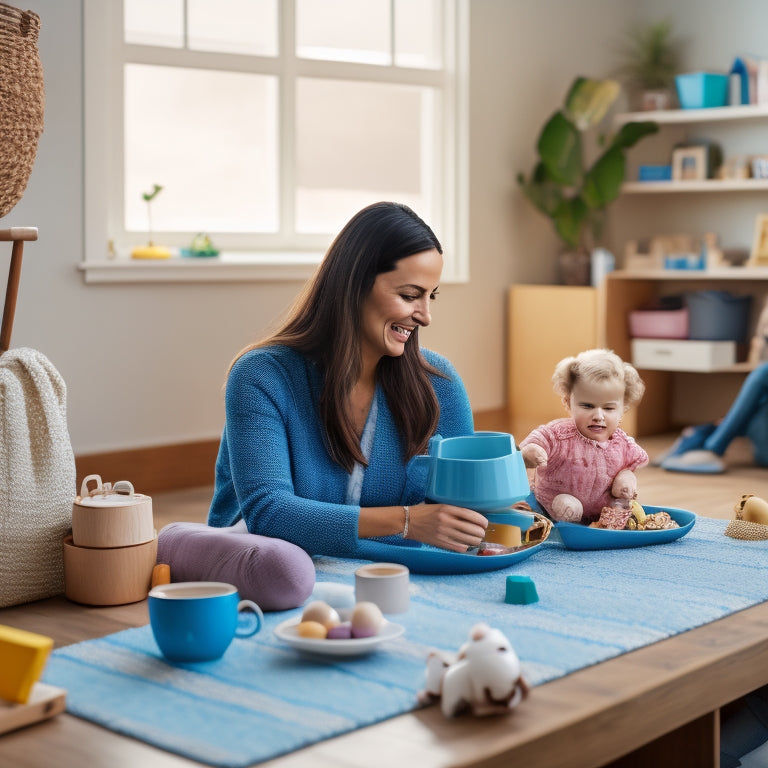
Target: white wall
(145, 364)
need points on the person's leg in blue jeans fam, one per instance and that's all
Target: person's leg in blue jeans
(748, 416)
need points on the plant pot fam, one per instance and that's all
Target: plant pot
(574, 268)
(659, 98)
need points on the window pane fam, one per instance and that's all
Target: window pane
(418, 33)
(354, 146)
(233, 26)
(154, 22)
(344, 30)
(210, 139)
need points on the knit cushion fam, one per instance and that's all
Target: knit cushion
(275, 574)
(37, 477)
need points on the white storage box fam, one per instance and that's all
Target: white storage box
(666, 355)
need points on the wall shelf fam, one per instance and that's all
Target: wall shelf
(682, 116)
(704, 185)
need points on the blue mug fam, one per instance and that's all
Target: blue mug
(197, 620)
(484, 471)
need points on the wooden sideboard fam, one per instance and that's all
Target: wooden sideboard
(545, 324)
(678, 397)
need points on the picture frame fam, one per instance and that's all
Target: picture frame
(689, 164)
(759, 255)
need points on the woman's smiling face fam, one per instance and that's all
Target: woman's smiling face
(398, 303)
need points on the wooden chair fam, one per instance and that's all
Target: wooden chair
(18, 236)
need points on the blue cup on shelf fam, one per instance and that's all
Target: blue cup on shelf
(484, 471)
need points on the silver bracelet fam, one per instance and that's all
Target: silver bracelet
(407, 510)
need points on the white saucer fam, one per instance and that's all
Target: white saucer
(352, 647)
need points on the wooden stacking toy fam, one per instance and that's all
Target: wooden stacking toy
(110, 554)
(23, 699)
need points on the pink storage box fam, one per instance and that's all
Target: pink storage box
(659, 324)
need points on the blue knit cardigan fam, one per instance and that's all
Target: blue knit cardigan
(273, 469)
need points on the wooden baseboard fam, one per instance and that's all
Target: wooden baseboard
(188, 465)
(154, 469)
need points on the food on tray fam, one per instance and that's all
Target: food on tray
(659, 521)
(615, 518)
(366, 619)
(619, 518)
(313, 629)
(320, 621)
(321, 612)
(637, 518)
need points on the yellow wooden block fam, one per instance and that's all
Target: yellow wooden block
(22, 658)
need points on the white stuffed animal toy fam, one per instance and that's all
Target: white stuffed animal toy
(485, 676)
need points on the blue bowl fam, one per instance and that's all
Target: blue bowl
(484, 471)
(577, 536)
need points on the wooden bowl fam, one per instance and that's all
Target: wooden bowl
(114, 576)
(121, 524)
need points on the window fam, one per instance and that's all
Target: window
(268, 123)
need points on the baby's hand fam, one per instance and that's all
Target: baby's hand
(534, 456)
(624, 485)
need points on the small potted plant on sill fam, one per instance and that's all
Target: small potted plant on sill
(561, 185)
(150, 251)
(651, 59)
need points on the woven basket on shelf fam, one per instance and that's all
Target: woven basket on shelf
(22, 102)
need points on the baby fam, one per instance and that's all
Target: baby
(585, 462)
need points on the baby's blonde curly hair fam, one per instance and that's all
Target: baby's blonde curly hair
(598, 365)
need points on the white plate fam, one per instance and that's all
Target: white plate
(352, 647)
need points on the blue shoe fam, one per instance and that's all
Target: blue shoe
(698, 462)
(691, 438)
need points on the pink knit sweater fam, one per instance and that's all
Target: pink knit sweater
(579, 466)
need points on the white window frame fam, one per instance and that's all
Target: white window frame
(103, 137)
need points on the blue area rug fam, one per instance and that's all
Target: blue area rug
(264, 699)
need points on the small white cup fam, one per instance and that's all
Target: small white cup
(385, 584)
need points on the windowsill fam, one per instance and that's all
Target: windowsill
(232, 266)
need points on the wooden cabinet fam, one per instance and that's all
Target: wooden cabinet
(680, 397)
(545, 324)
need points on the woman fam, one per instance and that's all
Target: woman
(324, 416)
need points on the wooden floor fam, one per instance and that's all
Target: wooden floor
(708, 495)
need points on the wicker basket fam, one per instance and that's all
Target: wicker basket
(22, 102)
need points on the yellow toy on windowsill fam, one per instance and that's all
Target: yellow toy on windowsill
(151, 251)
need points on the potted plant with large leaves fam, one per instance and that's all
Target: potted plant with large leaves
(563, 187)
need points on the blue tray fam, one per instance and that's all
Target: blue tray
(421, 558)
(575, 536)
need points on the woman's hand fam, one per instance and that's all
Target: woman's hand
(534, 456)
(624, 485)
(446, 526)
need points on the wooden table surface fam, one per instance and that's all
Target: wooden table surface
(588, 718)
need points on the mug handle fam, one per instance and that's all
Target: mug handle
(255, 624)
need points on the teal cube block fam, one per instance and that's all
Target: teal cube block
(521, 590)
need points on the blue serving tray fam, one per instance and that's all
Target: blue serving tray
(421, 558)
(575, 536)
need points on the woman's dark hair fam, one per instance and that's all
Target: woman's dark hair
(325, 320)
